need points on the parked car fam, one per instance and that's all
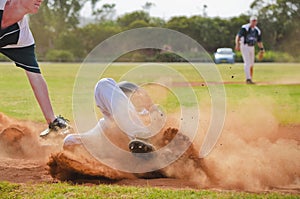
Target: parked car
(223, 55)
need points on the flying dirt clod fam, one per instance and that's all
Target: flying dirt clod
(75, 162)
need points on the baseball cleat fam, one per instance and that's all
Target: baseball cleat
(59, 125)
(249, 81)
(140, 146)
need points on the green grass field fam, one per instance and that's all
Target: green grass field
(278, 83)
(65, 190)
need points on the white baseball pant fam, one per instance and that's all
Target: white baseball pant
(114, 104)
(248, 53)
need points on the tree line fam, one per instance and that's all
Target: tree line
(60, 36)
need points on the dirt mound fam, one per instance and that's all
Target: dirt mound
(19, 139)
(23, 170)
(23, 156)
(254, 153)
(75, 162)
(10, 141)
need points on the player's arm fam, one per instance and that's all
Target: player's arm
(261, 51)
(237, 42)
(240, 34)
(260, 43)
(11, 14)
(261, 46)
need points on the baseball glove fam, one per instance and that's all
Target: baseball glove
(261, 55)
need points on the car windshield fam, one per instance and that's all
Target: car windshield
(224, 51)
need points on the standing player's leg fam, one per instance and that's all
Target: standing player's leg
(24, 57)
(40, 90)
(252, 59)
(246, 53)
(245, 59)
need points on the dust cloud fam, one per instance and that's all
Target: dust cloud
(20, 140)
(254, 151)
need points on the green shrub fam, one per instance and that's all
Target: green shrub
(168, 57)
(138, 57)
(269, 56)
(59, 56)
(138, 24)
(238, 56)
(133, 56)
(272, 56)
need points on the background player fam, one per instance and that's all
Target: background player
(245, 41)
(17, 43)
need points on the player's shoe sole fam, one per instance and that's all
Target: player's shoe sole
(45, 132)
(64, 131)
(140, 146)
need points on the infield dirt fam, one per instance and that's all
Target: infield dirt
(254, 153)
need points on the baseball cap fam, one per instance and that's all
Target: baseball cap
(252, 18)
(127, 87)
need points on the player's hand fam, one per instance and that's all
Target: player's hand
(237, 47)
